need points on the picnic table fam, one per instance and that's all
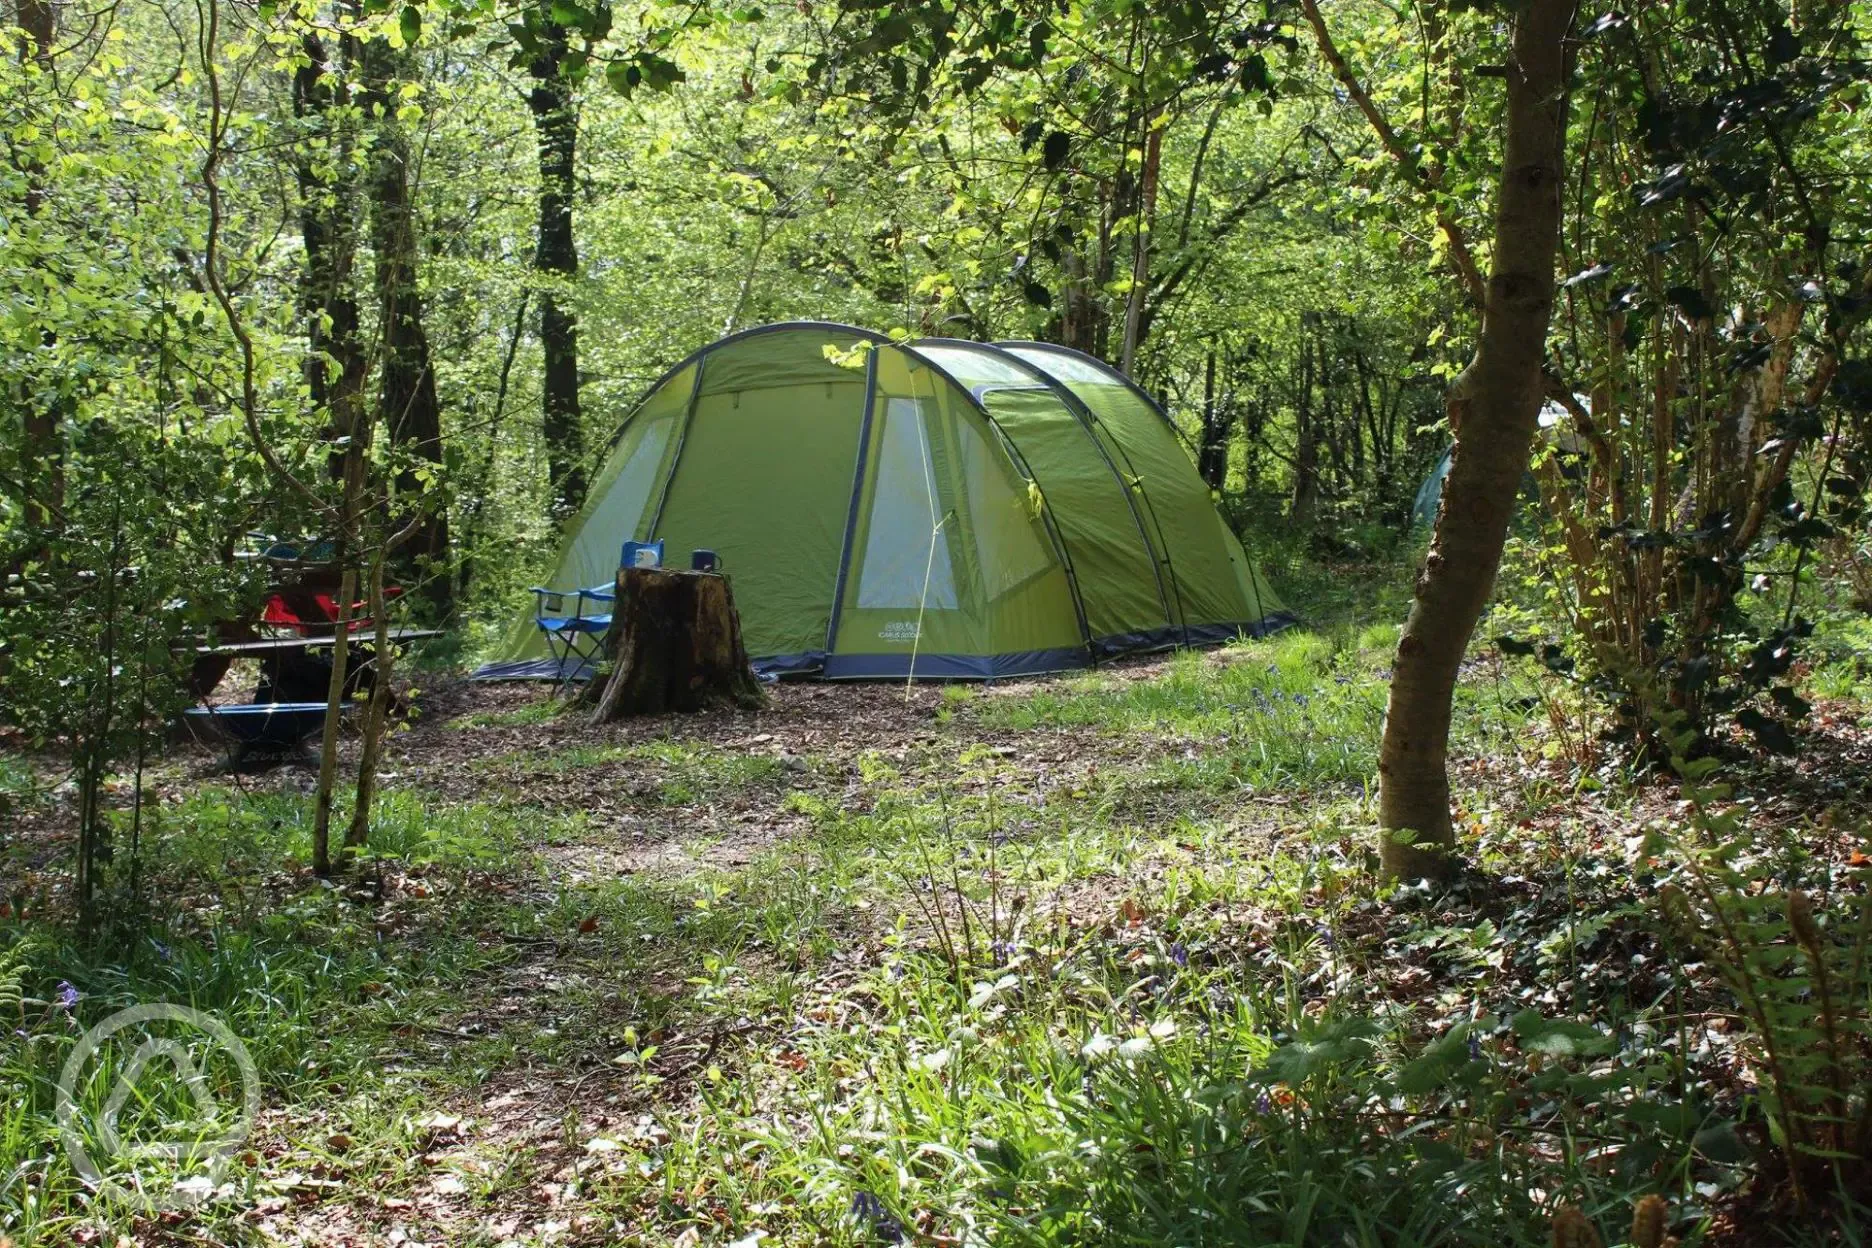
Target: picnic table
(289, 704)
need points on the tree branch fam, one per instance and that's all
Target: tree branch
(1461, 259)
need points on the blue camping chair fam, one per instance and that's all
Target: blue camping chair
(574, 622)
(575, 638)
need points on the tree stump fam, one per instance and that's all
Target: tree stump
(675, 645)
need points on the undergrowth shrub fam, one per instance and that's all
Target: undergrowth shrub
(1791, 935)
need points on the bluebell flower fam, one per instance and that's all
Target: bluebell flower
(1264, 1103)
(67, 997)
(866, 1207)
(1179, 955)
(1475, 1047)
(1300, 699)
(1326, 937)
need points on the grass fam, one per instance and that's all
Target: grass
(680, 773)
(1115, 986)
(1299, 712)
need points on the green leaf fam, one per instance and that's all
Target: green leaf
(410, 24)
(1721, 1144)
(1300, 1060)
(1558, 1037)
(1441, 1060)
(1056, 148)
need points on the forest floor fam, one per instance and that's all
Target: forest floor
(1101, 959)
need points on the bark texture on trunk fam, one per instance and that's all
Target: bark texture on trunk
(555, 122)
(1305, 500)
(1145, 222)
(412, 411)
(1494, 406)
(1218, 416)
(336, 367)
(675, 644)
(42, 459)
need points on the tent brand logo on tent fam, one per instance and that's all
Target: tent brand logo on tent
(900, 630)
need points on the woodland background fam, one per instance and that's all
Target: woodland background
(391, 274)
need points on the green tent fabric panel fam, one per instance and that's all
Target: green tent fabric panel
(1030, 604)
(1262, 601)
(617, 506)
(1201, 574)
(786, 358)
(946, 557)
(913, 585)
(764, 479)
(1111, 560)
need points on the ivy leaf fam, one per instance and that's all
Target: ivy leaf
(1558, 1037)
(1691, 301)
(1300, 1060)
(1783, 45)
(1721, 1144)
(1792, 704)
(1056, 148)
(1446, 1057)
(1770, 734)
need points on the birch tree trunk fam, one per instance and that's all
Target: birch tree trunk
(1494, 406)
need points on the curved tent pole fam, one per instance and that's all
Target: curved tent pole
(1046, 520)
(857, 494)
(696, 356)
(1087, 418)
(682, 440)
(1152, 404)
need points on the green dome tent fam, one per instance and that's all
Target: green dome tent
(938, 509)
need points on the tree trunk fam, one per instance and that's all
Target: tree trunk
(1218, 413)
(1306, 432)
(411, 409)
(334, 718)
(42, 451)
(376, 713)
(555, 122)
(675, 644)
(1146, 220)
(1493, 410)
(335, 367)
